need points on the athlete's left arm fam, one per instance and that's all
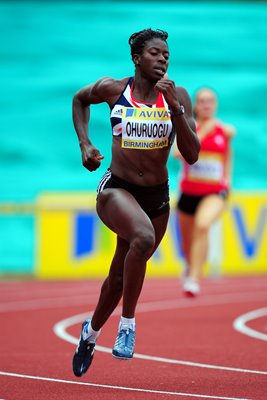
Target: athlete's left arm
(176, 153)
(230, 132)
(186, 138)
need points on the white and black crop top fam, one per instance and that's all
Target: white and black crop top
(141, 126)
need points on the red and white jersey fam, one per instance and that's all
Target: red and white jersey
(208, 174)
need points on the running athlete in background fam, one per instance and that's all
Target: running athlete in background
(204, 187)
(147, 113)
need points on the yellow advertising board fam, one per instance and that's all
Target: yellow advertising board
(72, 242)
(245, 235)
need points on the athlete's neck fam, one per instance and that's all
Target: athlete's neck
(143, 92)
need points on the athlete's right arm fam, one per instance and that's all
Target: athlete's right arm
(95, 93)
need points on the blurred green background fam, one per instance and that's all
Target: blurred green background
(49, 49)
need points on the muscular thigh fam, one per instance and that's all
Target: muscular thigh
(121, 213)
(160, 225)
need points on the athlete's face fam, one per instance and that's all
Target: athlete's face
(206, 104)
(154, 59)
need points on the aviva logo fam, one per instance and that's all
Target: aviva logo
(160, 114)
(250, 241)
(84, 234)
(73, 242)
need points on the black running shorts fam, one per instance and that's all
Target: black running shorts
(188, 203)
(154, 200)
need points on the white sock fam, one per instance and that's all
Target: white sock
(127, 323)
(90, 333)
(185, 271)
(186, 268)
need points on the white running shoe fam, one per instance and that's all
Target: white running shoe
(191, 287)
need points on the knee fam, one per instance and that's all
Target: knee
(143, 244)
(202, 228)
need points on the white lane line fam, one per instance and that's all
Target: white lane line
(61, 327)
(239, 323)
(52, 302)
(206, 300)
(40, 293)
(41, 378)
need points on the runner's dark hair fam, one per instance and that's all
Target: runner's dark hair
(138, 40)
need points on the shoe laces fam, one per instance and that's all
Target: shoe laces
(125, 338)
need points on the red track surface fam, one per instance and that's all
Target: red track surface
(197, 352)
